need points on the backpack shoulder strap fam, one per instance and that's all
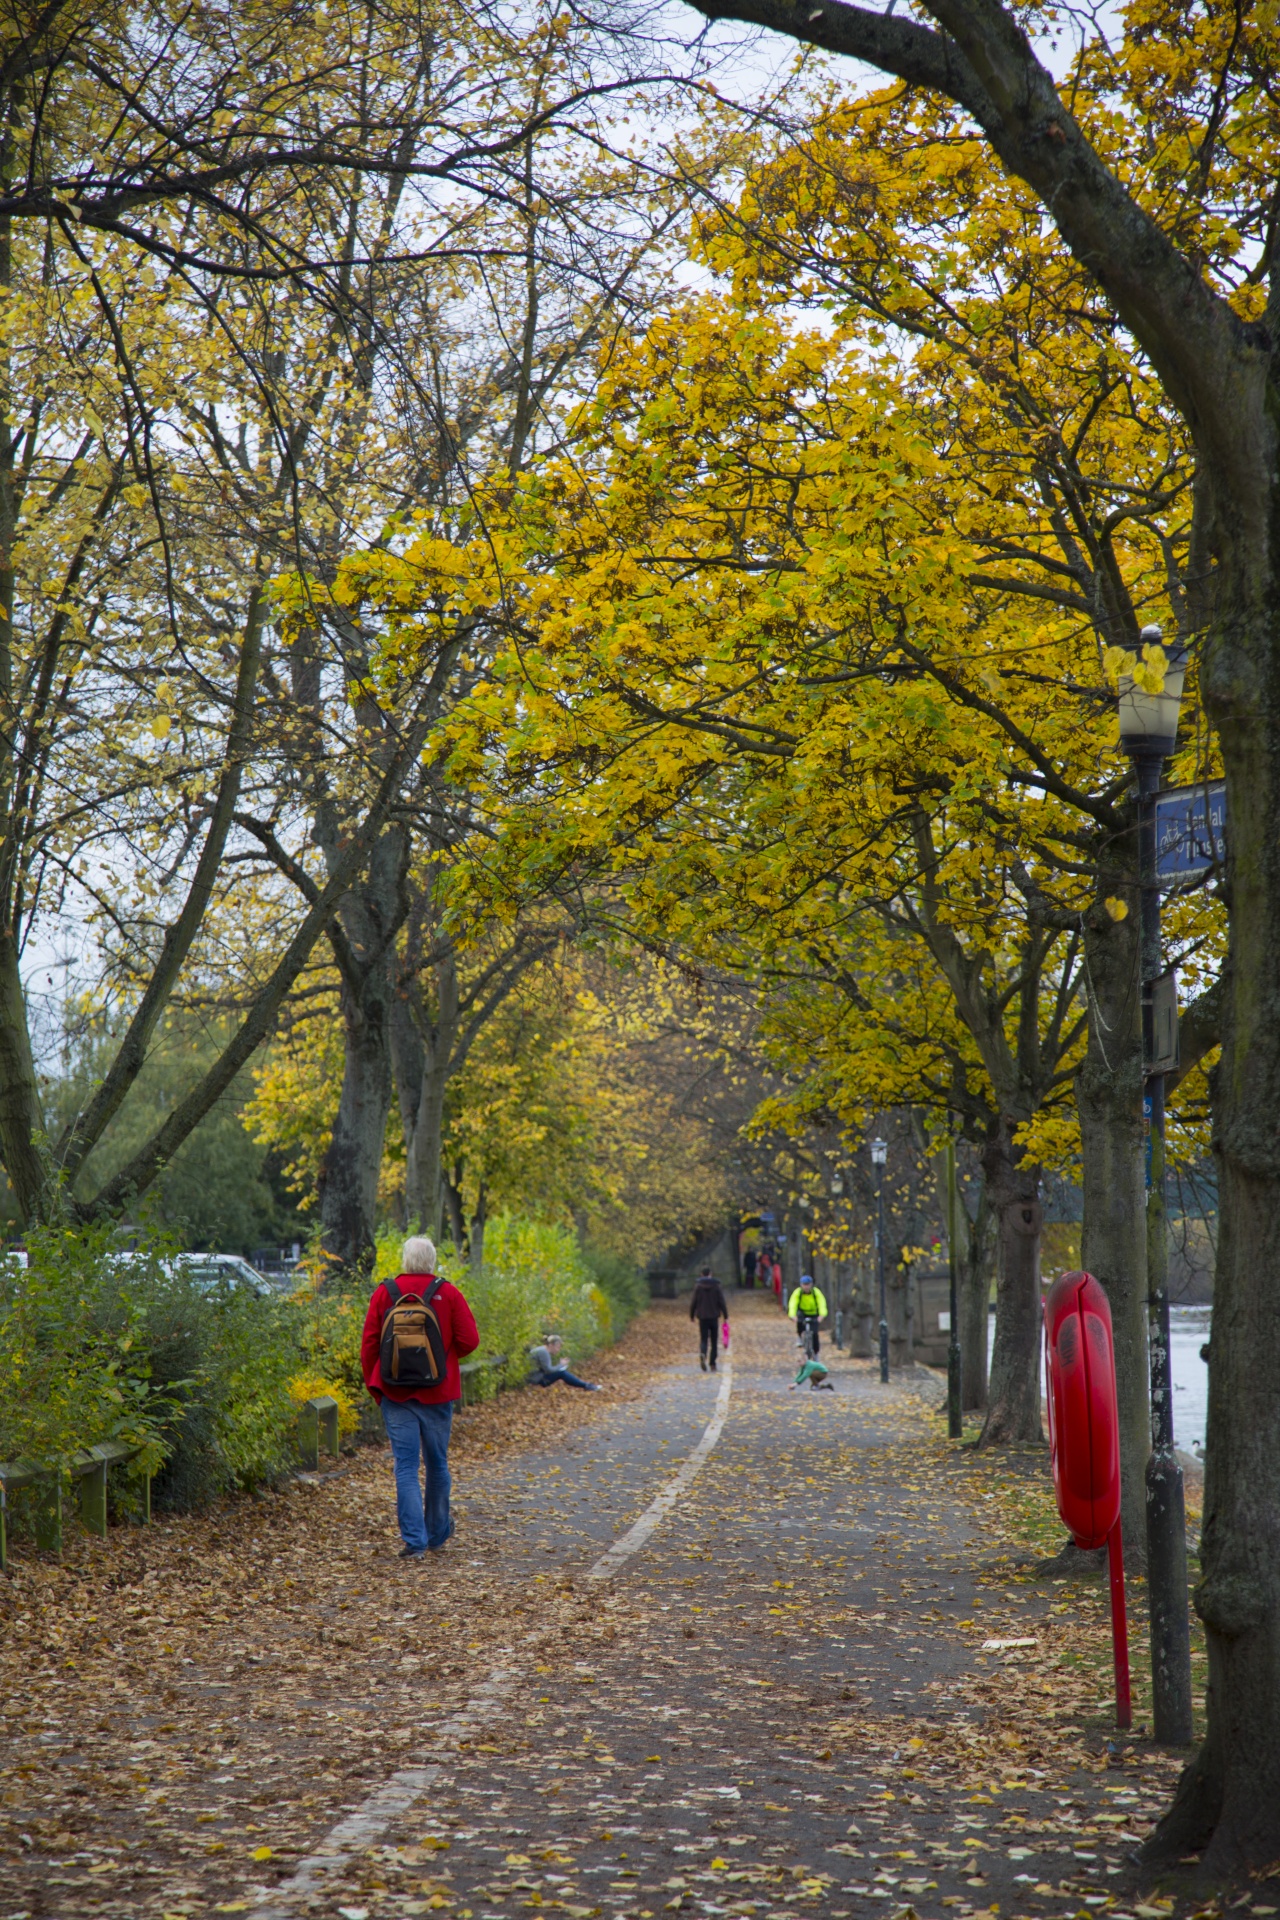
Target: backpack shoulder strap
(394, 1293)
(433, 1290)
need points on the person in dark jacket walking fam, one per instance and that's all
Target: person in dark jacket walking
(708, 1307)
(418, 1420)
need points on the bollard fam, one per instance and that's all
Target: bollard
(317, 1430)
(309, 1436)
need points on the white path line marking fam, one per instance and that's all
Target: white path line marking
(384, 1806)
(635, 1537)
(404, 1789)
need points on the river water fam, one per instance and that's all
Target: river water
(1189, 1330)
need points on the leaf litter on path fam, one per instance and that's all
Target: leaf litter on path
(826, 1686)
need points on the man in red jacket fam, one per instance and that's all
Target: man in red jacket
(419, 1422)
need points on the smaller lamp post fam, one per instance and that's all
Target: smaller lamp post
(955, 1419)
(837, 1188)
(879, 1155)
(1149, 734)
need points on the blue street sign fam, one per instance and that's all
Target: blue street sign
(1191, 824)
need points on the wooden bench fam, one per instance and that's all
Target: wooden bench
(473, 1376)
(88, 1470)
(317, 1433)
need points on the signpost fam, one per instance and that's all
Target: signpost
(1191, 825)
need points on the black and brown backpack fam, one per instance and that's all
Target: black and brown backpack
(413, 1354)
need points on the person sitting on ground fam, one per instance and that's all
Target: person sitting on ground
(417, 1329)
(808, 1307)
(708, 1307)
(548, 1367)
(815, 1372)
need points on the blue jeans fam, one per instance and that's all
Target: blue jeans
(418, 1430)
(545, 1377)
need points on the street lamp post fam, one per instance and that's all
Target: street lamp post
(955, 1420)
(879, 1154)
(1148, 733)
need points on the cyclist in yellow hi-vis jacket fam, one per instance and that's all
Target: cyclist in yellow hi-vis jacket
(807, 1307)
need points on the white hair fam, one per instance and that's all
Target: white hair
(419, 1255)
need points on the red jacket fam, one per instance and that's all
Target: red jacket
(457, 1324)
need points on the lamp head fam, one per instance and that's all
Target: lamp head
(879, 1152)
(1149, 721)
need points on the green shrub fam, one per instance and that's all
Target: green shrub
(226, 1358)
(535, 1280)
(75, 1358)
(621, 1281)
(103, 1342)
(331, 1320)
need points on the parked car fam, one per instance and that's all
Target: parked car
(214, 1270)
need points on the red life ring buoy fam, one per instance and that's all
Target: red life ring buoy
(1084, 1439)
(1084, 1415)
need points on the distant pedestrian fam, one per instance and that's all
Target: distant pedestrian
(777, 1279)
(708, 1307)
(417, 1329)
(749, 1267)
(548, 1367)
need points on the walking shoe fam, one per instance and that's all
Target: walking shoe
(412, 1553)
(702, 1362)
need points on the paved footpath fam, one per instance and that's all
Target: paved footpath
(802, 1683)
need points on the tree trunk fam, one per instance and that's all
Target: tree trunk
(475, 1233)
(975, 1303)
(20, 1120)
(353, 1159)
(792, 1256)
(1013, 1410)
(897, 1292)
(370, 915)
(451, 1209)
(424, 1148)
(425, 1045)
(1229, 1797)
(1113, 1245)
(864, 1315)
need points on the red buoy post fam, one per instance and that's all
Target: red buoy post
(1084, 1440)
